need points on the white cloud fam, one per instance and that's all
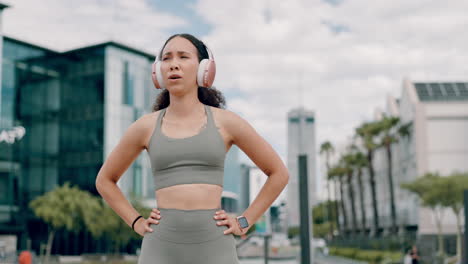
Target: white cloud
(344, 76)
(269, 49)
(63, 25)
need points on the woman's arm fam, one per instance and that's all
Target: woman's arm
(121, 157)
(262, 154)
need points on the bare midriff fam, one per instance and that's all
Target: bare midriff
(190, 196)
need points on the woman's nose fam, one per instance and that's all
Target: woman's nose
(174, 67)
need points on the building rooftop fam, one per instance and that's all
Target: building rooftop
(86, 48)
(442, 91)
(3, 6)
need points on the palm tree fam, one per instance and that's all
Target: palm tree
(327, 149)
(348, 169)
(360, 162)
(332, 177)
(368, 132)
(337, 172)
(392, 130)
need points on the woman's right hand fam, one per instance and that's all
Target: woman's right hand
(143, 225)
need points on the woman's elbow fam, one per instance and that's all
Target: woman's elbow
(100, 182)
(284, 176)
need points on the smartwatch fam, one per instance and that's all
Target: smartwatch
(242, 221)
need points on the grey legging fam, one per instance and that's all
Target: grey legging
(188, 237)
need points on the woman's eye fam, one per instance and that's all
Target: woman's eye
(164, 59)
(184, 57)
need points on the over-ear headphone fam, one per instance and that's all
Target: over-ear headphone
(205, 76)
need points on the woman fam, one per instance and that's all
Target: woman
(187, 137)
(414, 255)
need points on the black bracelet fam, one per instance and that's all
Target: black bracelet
(134, 221)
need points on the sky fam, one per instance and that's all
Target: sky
(339, 58)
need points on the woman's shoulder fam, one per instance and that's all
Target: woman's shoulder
(224, 116)
(148, 119)
(228, 119)
(146, 124)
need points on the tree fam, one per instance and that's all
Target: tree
(452, 197)
(327, 149)
(359, 162)
(391, 129)
(337, 172)
(322, 223)
(427, 188)
(348, 169)
(367, 132)
(119, 232)
(442, 192)
(65, 207)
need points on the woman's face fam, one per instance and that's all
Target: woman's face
(179, 65)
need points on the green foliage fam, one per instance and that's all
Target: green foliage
(427, 188)
(371, 256)
(442, 192)
(114, 227)
(322, 222)
(293, 231)
(336, 172)
(453, 187)
(434, 190)
(66, 207)
(320, 212)
(322, 230)
(387, 126)
(367, 132)
(70, 208)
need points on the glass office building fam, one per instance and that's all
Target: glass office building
(75, 106)
(12, 192)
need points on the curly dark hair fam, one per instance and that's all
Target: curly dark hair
(209, 96)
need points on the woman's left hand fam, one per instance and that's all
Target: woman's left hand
(224, 219)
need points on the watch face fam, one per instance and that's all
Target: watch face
(243, 222)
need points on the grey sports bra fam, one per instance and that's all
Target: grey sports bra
(194, 159)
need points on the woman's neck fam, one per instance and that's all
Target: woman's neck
(184, 107)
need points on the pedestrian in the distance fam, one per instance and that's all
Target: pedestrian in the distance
(414, 255)
(408, 258)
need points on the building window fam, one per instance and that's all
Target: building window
(293, 120)
(310, 120)
(127, 85)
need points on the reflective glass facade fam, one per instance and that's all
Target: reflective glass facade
(12, 189)
(74, 106)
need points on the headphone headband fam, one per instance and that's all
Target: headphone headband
(205, 75)
(210, 54)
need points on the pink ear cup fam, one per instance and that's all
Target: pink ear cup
(156, 75)
(153, 76)
(210, 73)
(206, 73)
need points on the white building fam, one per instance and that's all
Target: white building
(438, 143)
(301, 141)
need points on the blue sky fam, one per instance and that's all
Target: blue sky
(197, 25)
